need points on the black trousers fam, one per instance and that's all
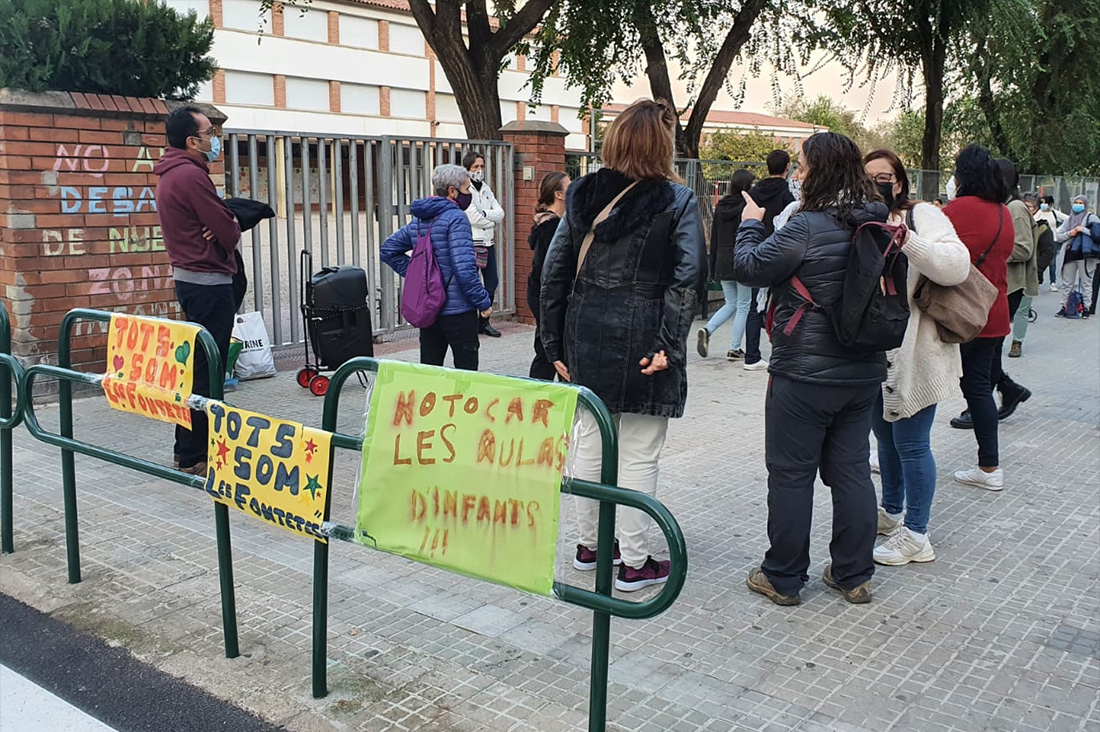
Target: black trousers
(977, 387)
(999, 377)
(457, 332)
(213, 307)
(541, 367)
(809, 427)
(753, 327)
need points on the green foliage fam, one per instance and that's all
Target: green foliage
(746, 147)
(125, 47)
(823, 112)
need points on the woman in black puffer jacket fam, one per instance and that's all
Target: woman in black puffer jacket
(818, 409)
(615, 315)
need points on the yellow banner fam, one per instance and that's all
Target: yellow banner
(273, 470)
(150, 363)
(462, 470)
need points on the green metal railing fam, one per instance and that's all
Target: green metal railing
(600, 602)
(10, 371)
(70, 446)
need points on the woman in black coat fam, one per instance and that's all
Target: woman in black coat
(548, 213)
(817, 415)
(723, 237)
(620, 286)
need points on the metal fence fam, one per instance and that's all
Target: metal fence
(339, 197)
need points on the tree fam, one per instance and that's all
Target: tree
(104, 47)
(823, 112)
(901, 36)
(472, 61)
(742, 147)
(595, 37)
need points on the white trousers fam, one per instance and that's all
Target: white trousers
(1086, 268)
(641, 438)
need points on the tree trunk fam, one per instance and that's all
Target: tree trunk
(933, 66)
(656, 70)
(716, 77)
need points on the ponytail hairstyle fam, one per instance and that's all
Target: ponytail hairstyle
(977, 174)
(551, 184)
(836, 175)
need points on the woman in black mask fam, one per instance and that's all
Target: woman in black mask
(920, 373)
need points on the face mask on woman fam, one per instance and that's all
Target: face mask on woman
(463, 200)
(952, 189)
(1044, 206)
(886, 190)
(477, 176)
(1078, 208)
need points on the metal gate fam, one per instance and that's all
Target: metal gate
(339, 197)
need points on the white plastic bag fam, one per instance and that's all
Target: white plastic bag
(256, 360)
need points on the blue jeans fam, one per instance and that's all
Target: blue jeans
(906, 465)
(736, 307)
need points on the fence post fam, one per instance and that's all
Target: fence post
(9, 420)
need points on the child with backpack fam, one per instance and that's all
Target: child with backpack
(443, 294)
(825, 374)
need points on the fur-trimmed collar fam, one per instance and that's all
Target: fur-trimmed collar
(589, 195)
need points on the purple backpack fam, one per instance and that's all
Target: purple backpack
(424, 293)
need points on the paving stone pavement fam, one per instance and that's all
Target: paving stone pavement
(1001, 632)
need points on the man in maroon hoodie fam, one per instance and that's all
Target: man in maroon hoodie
(200, 236)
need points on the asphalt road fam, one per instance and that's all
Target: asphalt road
(109, 683)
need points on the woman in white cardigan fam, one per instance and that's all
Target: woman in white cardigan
(922, 372)
(484, 212)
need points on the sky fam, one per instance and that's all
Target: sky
(828, 80)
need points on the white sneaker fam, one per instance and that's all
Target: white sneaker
(886, 525)
(977, 477)
(1053, 287)
(702, 342)
(902, 548)
(760, 365)
(874, 462)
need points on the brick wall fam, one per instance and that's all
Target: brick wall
(79, 222)
(540, 147)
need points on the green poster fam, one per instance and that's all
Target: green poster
(462, 470)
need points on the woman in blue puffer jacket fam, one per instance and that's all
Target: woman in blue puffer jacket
(442, 216)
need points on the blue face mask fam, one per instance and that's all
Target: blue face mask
(215, 150)
(1044, 206)
(1078, 208)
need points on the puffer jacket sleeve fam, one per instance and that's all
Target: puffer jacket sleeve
(395, 250)
(760, 262)
(460, 244)
(558, 273)
(689, 279)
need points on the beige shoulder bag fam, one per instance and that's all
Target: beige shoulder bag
(599, 220)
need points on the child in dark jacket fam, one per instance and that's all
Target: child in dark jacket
(548, 214)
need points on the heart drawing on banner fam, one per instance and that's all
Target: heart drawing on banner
(119, 362)
(182, 352)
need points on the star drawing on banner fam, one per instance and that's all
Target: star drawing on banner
(313, 485)
(223, 450)
(311, 447)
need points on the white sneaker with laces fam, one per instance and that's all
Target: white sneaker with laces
(886, 525)
(902, 547)
(760, 365)
(977, 477)
(1053, 287)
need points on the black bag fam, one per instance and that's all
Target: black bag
(1044, 239)
(873, 312)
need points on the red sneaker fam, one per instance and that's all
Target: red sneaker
(650, 573)
(585, 560)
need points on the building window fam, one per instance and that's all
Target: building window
(406, 39)
(311, 94)
(201, 7)
(250, 89)
(358, 32)
(360, 99)
(243, 15)
(408, 103)
(311, 25)
(446, 108)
